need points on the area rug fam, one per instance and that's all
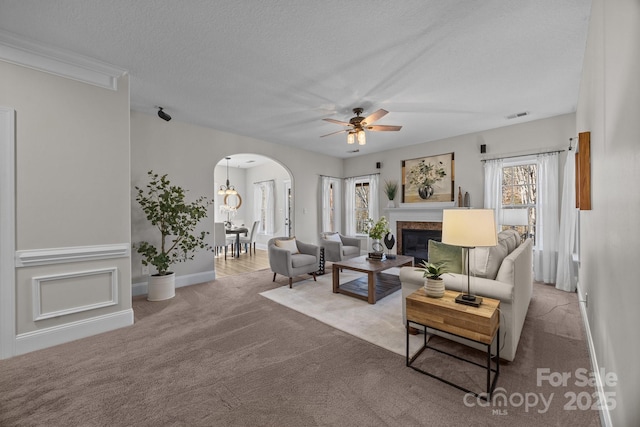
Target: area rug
(380, 323)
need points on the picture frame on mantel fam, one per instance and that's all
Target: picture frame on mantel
(428, 179)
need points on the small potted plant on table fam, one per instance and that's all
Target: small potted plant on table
(433, 284)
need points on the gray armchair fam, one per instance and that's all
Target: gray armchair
(338, 247)
(287, 262)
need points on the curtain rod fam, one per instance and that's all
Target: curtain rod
(361, 176)
(346, 177)
(266, 180)
(523, 155)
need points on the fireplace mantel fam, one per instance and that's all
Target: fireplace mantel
(422, 213)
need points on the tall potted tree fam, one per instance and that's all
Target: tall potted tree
(176, 220)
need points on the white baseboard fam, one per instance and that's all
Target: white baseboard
(605, 415)
(190, 279)
(48, 337)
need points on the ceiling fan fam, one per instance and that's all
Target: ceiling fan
(358, 124)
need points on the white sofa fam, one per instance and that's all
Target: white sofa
(507, 271)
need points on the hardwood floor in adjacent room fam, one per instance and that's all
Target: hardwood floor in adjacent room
(243, 264)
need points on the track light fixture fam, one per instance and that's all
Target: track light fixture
(163, 115)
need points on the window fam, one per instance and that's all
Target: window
(363, 198)
(361, 203)
(519, 191)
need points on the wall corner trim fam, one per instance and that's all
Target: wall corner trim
(35, 257)
(20, 51)
(605, 415)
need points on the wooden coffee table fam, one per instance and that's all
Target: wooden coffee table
(376, 285)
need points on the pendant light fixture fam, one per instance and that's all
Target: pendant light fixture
(227, 189)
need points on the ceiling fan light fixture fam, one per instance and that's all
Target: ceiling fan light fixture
(362, 139)
(351, 137)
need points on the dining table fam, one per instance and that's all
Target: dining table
(237, 231)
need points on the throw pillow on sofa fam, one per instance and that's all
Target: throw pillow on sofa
(485, 262)
(448, 255)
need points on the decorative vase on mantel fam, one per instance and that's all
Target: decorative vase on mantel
(434, 288)
(425, 192)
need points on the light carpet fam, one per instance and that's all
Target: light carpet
(380, 323)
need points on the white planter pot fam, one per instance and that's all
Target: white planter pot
(391, 204)
(434, 288)
(160, 288)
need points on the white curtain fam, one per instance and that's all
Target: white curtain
(326, 203)
(269, 209)
(264, 201)
(350, 206)
(257, 205)
(374, 186)
(493, 187)
(565, 277)
(546, 250)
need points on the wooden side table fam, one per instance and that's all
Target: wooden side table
(477, 324)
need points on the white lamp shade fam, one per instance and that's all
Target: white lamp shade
(469, 227)
(515, 217)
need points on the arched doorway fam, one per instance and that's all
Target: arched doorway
(264, 193)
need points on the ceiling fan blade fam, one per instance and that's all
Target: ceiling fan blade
(333, 133)
(381, 128)
(338, 122)
(374, 116)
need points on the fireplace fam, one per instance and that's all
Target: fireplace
(414, 236)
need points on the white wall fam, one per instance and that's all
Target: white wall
(524, 138)
(609, 108)
(189, 153)
(72, 195)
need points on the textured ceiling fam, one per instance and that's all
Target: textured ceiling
(274, 69)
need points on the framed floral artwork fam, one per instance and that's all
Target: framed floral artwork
(428, 179)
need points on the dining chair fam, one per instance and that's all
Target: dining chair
(220, 239)
(250, 240)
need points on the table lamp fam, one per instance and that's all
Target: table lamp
(469, 228)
